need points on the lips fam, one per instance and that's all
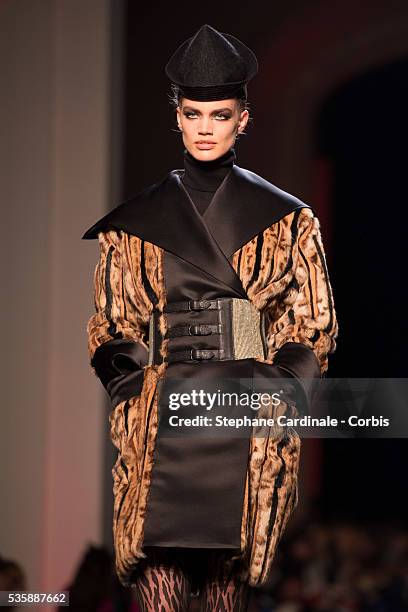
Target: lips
(205, 145)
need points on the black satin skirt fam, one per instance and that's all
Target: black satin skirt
(197, 490)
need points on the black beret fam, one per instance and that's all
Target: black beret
(212, 65)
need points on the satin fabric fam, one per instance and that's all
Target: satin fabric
(197, 490)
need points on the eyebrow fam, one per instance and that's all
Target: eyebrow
(216, 110)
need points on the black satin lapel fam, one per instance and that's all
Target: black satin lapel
(226, 272)
(244, 205)
(186, 282)
(165, 215)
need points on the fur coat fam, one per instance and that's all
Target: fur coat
(258, 243)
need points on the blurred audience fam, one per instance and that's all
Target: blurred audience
(339, 568)
(96, 588)
(12, 578)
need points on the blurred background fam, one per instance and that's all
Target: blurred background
(86, 123)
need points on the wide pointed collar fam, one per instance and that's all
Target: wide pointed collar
(164, 214)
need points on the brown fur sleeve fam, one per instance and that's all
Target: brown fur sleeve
(115, 317)
(302, 308)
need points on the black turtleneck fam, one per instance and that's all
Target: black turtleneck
(202, 178)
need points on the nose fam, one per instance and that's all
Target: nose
(205, 126)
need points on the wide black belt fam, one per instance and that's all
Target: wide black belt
(218, 329)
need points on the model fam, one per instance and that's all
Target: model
(211, 273)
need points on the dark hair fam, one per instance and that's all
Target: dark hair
(176, 97)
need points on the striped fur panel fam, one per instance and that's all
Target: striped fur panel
(136, 455)
(128, 284)
(144, 263)
(273, 495)
(119, 314)
(284, 272)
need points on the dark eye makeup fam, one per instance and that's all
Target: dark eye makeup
(224, 115)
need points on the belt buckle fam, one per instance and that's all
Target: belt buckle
(198, 304)
(192, 352)
(206, 354)
(199, 330)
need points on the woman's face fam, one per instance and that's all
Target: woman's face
(210, 128)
